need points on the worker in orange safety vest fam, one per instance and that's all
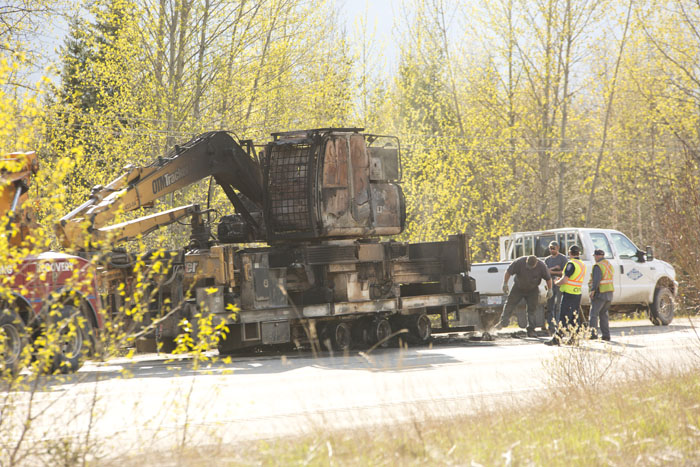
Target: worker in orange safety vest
(570, 286)
(601, 288)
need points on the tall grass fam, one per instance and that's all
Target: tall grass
(650, 416)
(640, 422)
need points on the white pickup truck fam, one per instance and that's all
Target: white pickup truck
(641, 281)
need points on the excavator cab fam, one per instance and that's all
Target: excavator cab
(332, 183)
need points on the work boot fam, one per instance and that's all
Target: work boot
(531, 333)
(606, 338)
(594, 335)
(553, 341)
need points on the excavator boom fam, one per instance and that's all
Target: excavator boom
(214, 154)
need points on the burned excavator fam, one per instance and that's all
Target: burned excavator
(300, 258)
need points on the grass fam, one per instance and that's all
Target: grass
(652, 421)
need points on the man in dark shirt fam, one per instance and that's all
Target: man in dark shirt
(529, 272)
(556, 262)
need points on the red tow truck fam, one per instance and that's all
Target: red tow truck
(41, 294)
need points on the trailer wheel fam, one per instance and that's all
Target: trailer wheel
(68, 329)
(379, 331)
(340, 336)
(13, 340)
(420, 330)
(661, 312)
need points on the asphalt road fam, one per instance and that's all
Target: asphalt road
(156, 402)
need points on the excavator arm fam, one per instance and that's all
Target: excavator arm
(214, 154)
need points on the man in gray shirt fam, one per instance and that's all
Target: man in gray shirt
(529, 272)
(556, 262)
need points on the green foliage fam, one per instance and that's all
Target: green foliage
(503, 109)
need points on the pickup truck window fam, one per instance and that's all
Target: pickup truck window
(567, 240)
(538, 245)
(625, 248)
(542, 245)
(517, 248)
(561, 238)
(600, 242)
(523, 247)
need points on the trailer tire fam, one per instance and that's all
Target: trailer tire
(419, 329)
(71, 330)
(379, 332)
(13, 340)
(340, 336)
(662, 310)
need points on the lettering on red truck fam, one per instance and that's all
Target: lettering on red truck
(64, 266)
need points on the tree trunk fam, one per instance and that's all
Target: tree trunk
(608, 110)
(200, 60)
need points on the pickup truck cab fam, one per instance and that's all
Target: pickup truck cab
(641, 281)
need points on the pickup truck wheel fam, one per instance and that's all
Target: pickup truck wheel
(13, 340)
(663, 308)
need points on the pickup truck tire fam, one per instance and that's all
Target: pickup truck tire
(663, 308)
(13, 340)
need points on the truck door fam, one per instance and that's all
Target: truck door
(600, 242)
(634, 275)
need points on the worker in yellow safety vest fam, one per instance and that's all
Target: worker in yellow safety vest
(570, 286)
(601, 287)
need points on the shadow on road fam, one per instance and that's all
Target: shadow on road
(277, 361)
(270, 362)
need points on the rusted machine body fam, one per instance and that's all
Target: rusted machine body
(301, 258)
